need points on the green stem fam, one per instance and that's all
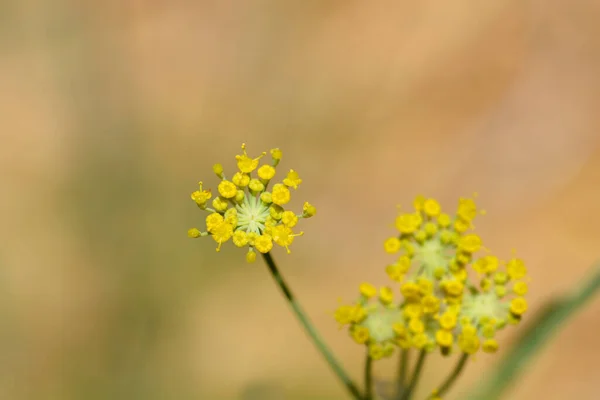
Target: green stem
(415, 376)
(310, 329)
(453, 375)
(402, 372)
(368, 377)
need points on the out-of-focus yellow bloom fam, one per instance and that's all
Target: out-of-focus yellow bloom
(372, 320)
(452, 296)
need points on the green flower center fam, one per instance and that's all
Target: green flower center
(380, 323)
(484, 305)
(252, 215)
(430, 256)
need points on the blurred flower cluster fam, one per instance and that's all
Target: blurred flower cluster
(446, 295)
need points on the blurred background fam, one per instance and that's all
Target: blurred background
(112, 111)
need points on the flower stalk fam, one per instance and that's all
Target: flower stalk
(415, 376)
(310, 329)
(368, 376)
(403, 370)
(445, 386)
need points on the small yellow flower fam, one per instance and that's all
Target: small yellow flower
(520, 288)
(346, 314)
(392, 245)
(400, 330)
(240, 179)
(419, 202)
(283, 236)
(413, 310)
(250, 256)
(448, 320)
(444, 220)
(430, 229)
(227, 189)
(488, 330)
(256, 186)
(194, 233)
(470, 243)
(266, 197)
(376, 351)
(469, 330)
(453, 288)
(518, 306)
(500, 278)
(308, 210)
(467, 209)
(386, 295)
(516, 268)
(245, 163)
(411, 291)
(408, 223)
(276, 212)
(280, 194)
(420, 236)
(201, 196)
(220, 204)
(213, 220)
(263, 243)
(222, 233)
(240, 196)
(444, 338)
(367, 290)
(404, 264)
(240, 238)
(231, 216)
(468, 343)
(266, 172)
(490, 346)
(431, 304)
(292, 179)
(420, 341)
(461, 226)
(416, 325)
(360, 334)
(425, 285)
(432, 208)
(289, 219)
(218, 170)
(500, 291)
(486, 265)
(276, 155)
(394, 272)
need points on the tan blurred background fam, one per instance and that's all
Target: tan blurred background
(111, 111)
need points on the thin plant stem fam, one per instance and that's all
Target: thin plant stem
(403, 368)
(310, 329)
(368, 377)
(453, 375)
(402, 373)
(415, 376)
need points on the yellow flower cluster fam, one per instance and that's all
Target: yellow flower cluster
(451, 296)
(373, 320)
(246, 211)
